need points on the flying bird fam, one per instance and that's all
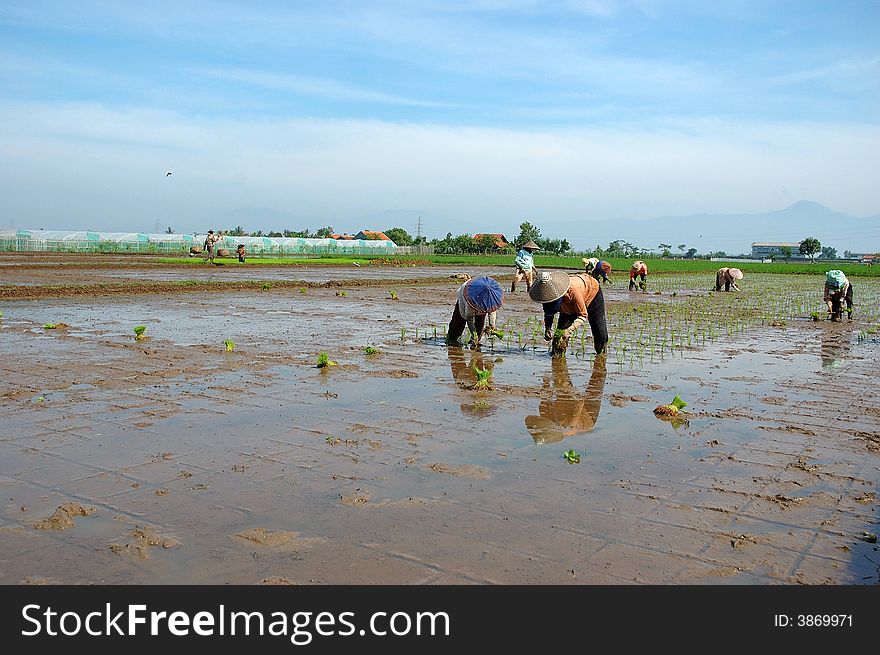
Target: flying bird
(168, 173)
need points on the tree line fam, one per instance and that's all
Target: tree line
(486, 243)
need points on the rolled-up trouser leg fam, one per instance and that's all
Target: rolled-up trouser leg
(456, 326)
(492, 320)
(479, 326)
(717, 281)
(849, 300)
(596, 317)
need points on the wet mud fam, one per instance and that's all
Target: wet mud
(175, 461)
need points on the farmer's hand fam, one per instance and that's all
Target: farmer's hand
(548, 334)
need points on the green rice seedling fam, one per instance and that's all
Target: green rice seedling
(484, 382)
(324, 361)
(302, 290)
(341, 294)
(402, 334)
(139, 332)
(50, 326)
(435, 331)
(672, 408)
(265, 286)
(1, 314)
(572, 457)
(393, 294)
(370, 350)
(230, 345)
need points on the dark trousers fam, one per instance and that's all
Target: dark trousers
(596, 319)
(632, 282)
(457, 325)
(836, 301)
(718, 283)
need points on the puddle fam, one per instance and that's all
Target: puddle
(391, 468)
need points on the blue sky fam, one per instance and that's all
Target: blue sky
(474, 115)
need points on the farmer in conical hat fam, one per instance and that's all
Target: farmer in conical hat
(638, 269)
(577, 299)
(727, 277)
(525, 265)
(837, 289)
(477, 304)
(565, 411)
(597, 268)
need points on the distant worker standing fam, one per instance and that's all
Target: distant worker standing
(240, 252)
(210, 241)
(597, 268)
(525, 265)
(837, 289)
(728, 278)
(477, 303)
(577, 299)
(639, 269)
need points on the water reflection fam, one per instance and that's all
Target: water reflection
(565, 410)
(835, 346)
(462, 362)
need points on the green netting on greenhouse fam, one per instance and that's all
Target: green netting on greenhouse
(139, 242)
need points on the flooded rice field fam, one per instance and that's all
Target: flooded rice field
(177, 460)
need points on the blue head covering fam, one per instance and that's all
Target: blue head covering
(483, 294)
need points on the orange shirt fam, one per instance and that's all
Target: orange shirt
(579, 295)
(638, 268)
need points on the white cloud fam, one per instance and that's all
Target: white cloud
(77, 165)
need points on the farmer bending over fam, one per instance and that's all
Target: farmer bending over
(578, 300)
(638, 269)
(478, 298)
(728, 278)
(597, 268)
(837, 289)
(525, 265)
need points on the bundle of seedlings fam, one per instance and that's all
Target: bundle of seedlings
(672, 409)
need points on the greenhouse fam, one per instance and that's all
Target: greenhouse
(139, 242)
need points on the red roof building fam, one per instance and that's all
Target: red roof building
(371, 235)
(501, 241)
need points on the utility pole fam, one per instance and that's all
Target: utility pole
(419, 235)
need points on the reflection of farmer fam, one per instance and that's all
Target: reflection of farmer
(566, 411)
(834, 347)
(240, 252)
(597, 268)
(477, 299)
(837, 289)
(464, 375)
(525, 265)
(727, 277)
(577, 299)
(638, 269)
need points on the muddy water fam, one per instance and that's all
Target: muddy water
(203, 465)
(59, 275)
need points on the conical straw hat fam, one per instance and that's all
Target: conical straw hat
(735, 273)
(530, 245)
(483, 294)
(549, 286)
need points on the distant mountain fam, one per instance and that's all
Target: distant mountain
(732, 233)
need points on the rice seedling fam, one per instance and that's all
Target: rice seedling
(393, 294)
(50, 326)
(572, 457)
(341, 294)
(672, 408)
(265, 286)
(230, 345)
(303, 290)
(484, 382)
(370, 350)
(324, 361)
(139, 332)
